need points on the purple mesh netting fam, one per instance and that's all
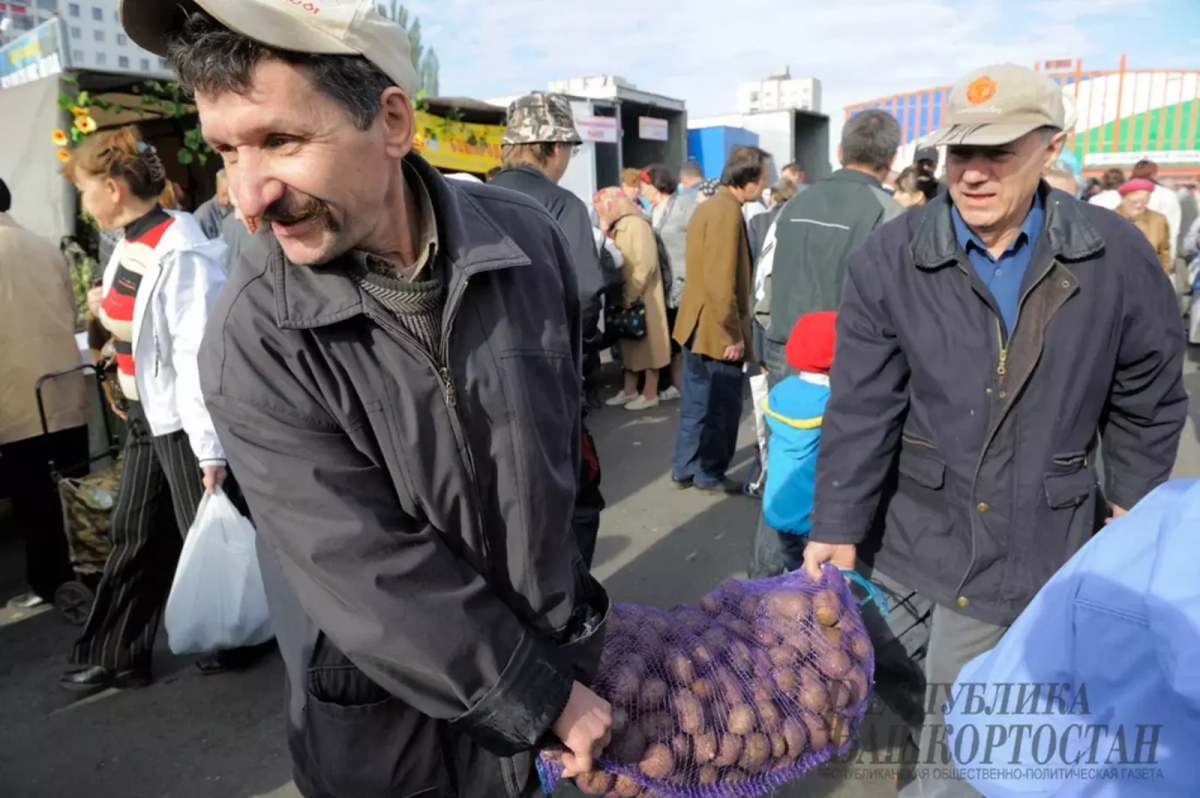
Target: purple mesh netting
(753, 687)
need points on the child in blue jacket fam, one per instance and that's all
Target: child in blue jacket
(793, 411)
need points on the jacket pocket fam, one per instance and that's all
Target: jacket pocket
(361, 741)
(922, 467)
(1069, 482)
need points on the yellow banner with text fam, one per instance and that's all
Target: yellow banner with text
(457, 146)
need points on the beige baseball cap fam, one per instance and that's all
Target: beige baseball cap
(322, 27)
(998, 105)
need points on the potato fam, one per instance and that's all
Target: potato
(735, 777)
(729, 750)
(711, 604)
(860, 646)
(628, 748)
(783, 656)
(826, 607)
(760, 691)
(748, 606)
(707, 776)
(620, 721)
(716, 638)
(779, 746)
(769, 716)
(834, 664)
(796, 736)
(703, 657)
(657, 725)
(648, 639)
(626, 684)
(818, 732)
(653, 693)
(839, 731)
(789, 605)
(741, 719)
(857, 679)
(729, 687)
(635, 663)
(755, 752)
(813, 696)
(784, 679)
(625, 787)
(681, 748)
(739, 656)
(681, 669)
(693, 621)
(743, 629)
(658, 761)
(658, 622)
(766, 635)
(704, 689)
(832, 635)
(704, 746)
(595, 783)
(690, 712)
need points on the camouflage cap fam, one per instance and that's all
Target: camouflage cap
(541, 117)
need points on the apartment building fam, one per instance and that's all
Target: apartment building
(780, 92)
(94, 36)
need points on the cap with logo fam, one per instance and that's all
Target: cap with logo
(541, 117)
(998, 105)
(319, 27)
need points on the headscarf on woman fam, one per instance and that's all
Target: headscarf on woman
(612, 205)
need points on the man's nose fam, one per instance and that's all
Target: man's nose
(257, 189)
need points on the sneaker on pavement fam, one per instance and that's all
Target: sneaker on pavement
(725, 487)
(669, 395)
(642, 403)
(26, 601)
(621, 399)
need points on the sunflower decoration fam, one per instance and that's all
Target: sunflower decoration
(77, 111)
(85, 124)
(419, 142)
(64, 155)
(59, 138)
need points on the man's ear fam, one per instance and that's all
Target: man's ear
(1054, 149)
(399, 122)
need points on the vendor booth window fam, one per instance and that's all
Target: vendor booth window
(73, 9)
(97, 14)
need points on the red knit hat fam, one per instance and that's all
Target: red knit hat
(810, 346)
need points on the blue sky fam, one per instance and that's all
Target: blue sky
(699, 50)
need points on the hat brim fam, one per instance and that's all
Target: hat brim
(150, 22)
(980, 135)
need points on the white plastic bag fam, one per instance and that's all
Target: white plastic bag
(217, 601)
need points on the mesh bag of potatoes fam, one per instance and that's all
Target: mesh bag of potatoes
(752, 687)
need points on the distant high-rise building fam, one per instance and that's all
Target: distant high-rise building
(94, 40)
(780, 92)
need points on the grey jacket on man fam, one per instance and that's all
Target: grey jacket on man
(671, 225)
(211, 216)
(572, 216)
(415, 523)
(962, 464)
(803, 262)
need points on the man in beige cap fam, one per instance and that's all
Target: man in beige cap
(987, 342)
(394, 374)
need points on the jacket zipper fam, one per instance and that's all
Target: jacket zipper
(1001, 372)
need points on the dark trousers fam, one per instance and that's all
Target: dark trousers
(709, 414)
(25, 477)
(774, 552)
(157, 500)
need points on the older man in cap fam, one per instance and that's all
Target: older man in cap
(987, 342)
(538, 146)
(394, 374)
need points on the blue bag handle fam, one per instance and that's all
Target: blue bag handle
(874, 592)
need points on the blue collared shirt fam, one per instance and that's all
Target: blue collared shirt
(1003, 275)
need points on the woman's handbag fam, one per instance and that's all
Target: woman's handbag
(627, 322)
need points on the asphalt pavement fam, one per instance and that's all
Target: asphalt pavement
(191, 736)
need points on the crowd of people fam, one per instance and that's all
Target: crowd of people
(391, 372)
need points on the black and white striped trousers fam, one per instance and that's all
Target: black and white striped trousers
(160, 490)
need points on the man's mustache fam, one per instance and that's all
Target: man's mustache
(288, 210)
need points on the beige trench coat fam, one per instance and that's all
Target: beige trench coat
(643, 280)
(37, 336)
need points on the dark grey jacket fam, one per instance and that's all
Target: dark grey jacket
(426, 590)
(572, 216)
(962, 464)
(806, 250)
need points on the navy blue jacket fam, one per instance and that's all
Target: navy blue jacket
(962, 463)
